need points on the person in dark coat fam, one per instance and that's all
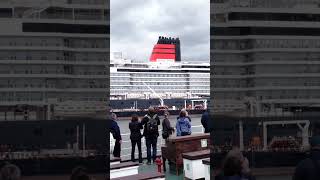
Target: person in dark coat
(167, 129)
(205, 121)
(10, 172)
(151, 122)
(135, 136)
(115, 130)
(79, 173)
(309, 169)
(235, 167)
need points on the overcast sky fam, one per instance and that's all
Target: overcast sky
(137, 24)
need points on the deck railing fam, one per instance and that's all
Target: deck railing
(126, 143)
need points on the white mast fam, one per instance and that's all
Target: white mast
(161, 100)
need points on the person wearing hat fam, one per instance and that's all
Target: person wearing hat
(309, 168)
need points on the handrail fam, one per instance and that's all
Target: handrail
(126, 134)
(126, 156)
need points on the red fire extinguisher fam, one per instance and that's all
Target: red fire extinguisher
(158, 162)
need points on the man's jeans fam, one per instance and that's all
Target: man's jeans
(151, 141)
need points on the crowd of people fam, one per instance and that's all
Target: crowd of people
(149, 124)
(234, 167)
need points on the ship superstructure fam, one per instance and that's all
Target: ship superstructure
(265, 56)
(164, 76)
(53, 55)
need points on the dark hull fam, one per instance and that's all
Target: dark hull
(146, 103)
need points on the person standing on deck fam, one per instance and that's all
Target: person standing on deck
(183, 125)
(309, 169)
(151, 122)
(235, 167)
(135, 136)
(205, 121)
(10, 172)
(167, 129)
(187, 115)
(115, 130)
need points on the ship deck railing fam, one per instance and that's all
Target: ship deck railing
(126, 143)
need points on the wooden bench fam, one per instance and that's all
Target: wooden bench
(143, 176)
(176, 146)
(114, 161)
(124, 169)
(206, 163)
(192, 164)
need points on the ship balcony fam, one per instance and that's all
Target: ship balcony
(257, 88)
(253, 50)
(53, 48)
(53, 90)
(273, 75)
(300, 101)
(52, 75)
(54, 62)
(261, 23)
(269, 62)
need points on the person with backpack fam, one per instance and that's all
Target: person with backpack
(151, 122)
(183, 124)
(167, 130)
(135, 137)
(309, 168)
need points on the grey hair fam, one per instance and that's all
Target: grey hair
(113, 116)
(236, 153)
(151, 108)
(10, 172)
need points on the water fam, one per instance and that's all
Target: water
(126, 144)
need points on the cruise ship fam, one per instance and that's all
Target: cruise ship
(164, 80)
(53, 55)
(54, 84)
(265, 56)
(265, 61)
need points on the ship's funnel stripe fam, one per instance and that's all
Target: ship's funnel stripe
(166, 48)
(170, 51)
(154, 57)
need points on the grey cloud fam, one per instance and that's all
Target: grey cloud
(136, 25)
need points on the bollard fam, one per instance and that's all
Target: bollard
(158, 162)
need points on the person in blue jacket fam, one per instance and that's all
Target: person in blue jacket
(183, 125)
(115, 130)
